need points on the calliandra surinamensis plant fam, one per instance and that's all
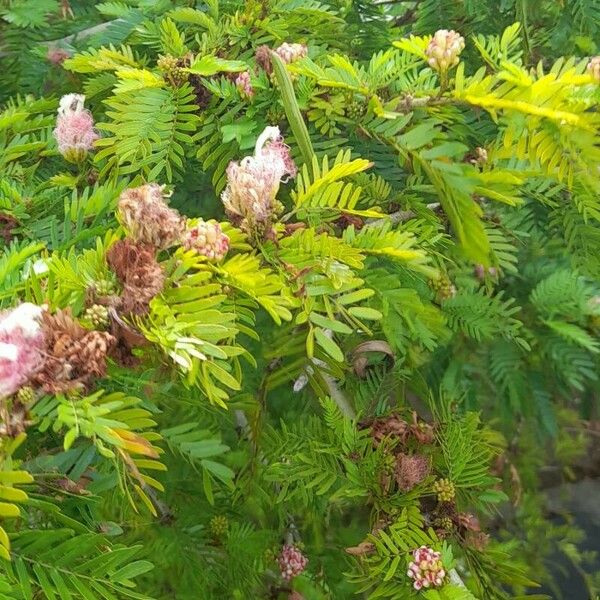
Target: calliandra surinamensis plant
(298, 299)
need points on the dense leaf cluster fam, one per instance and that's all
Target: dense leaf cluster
(389, 359)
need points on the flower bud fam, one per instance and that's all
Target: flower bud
(244, 85)
(74, 132)
(290, 53)
(593, 68)
(207, 239)
(427, 569)
(444, 49)
(291, 562)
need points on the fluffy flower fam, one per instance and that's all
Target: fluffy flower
(290, 53)
(593, 68)
(74, 133)
(444, 49)
(21, 346)
(253, 183)
(147, 218)
(207, 239)
(244, 85)
(291, 562)
(410, 470)
(426, 569)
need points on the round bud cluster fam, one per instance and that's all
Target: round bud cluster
(444, 49)
(356, 110)
(218, 526)
(593, 68)
(445, 523)
(445, 490)
(172, 69)
(97, 315)
(443, 287)
(290, 53)
(291, 562)
(426, 569)
(104, 287)
(207, 239)
(26, 395)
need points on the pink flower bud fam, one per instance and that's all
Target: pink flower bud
(444, 49)
(593, 68)
(244, 85)
(21, 346)
(57, 55)
(291, 562)
(207, 239)
(290, 53)
(427, 569)
(74, 133)
(253, 183)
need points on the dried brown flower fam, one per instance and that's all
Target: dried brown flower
(7, 224)
(74, 356)
(410, 470)
(147, 218)
(137, 269)
(263, 58)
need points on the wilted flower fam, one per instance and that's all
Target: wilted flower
(207, 239)
(291, 562)
(444, 49)
(244, 85)
(410, 470)
(253, 183)
(57, 55)
(426, 569)
(21, 345)
(593, 68)
(74, 133)
(290, 53)
(147, 218)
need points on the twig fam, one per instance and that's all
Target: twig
(84, 33)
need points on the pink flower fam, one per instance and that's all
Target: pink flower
(290, 53)
(207, 239)
(57, 55)
(21, 345)
(291, 562)
(244, 85)
(74, 133)
(427, 569)
(593, 68)
(250, 195)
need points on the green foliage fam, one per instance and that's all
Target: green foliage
(418, 304)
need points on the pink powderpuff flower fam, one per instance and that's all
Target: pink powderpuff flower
(244, 85)
(21, 346)
(207, 239)
(426, 569)
(252, 184)
(290, 53)
(74, 133)
(291, 562)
